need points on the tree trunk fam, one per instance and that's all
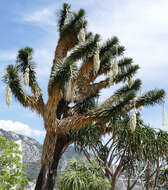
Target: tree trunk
(113, 183)
(147, 178)
(129, 177)
(47, 175)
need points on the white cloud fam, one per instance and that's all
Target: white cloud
(20, 128)
(140, 25)
(7, 55)
(43, 16)
(43, 57)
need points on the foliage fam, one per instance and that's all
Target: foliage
(79, 176)
(11, 173)
(86, 136)
(131, 153)
(163, 177)
(72, 89)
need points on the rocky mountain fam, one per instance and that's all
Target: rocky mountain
(32, 151)
(30, 147)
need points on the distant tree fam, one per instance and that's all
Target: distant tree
(163, 178)
(11, 166)
(80, 176)
(72, 90)
(151, 159)
(157, 156)
(134, 154)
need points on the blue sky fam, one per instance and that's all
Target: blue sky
(141, 26)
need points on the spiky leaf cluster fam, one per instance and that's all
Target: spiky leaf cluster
(86, 137)
(12, 77)
(114, 108)
(62, 72)
(76, 22)
(85, 50)
(80, 176)
(63, 16)
(25, 60)
(151, 97)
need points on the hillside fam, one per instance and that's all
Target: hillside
(32, 153)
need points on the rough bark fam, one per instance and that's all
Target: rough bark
(47, 175)
(113, 183)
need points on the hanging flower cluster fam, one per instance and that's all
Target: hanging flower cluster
(26, 76)
(71, 91)
(8, 95)
(81, 36)
(111, 77)
(132, 121)
(130, 81)
(114, 69)
(96, 62)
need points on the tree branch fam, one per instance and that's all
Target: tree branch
(90, 90)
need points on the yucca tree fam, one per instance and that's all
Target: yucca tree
(70, 83)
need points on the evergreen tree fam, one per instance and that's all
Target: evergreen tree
(11, 166)
(69, 83)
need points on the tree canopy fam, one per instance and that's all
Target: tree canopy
(142, 155)
(80, 58)
(11, 166)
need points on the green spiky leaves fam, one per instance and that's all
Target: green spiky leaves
(24, 55)
(113, 108)
(125, 89)
(109, 46)
(125, 103)
(12, 78)
(24, 62)
(85, 50)
(131, 71)
(152, 97)
(87, 104)
(125, 62)
(62, 72)
(76, 22)
(64, 16)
